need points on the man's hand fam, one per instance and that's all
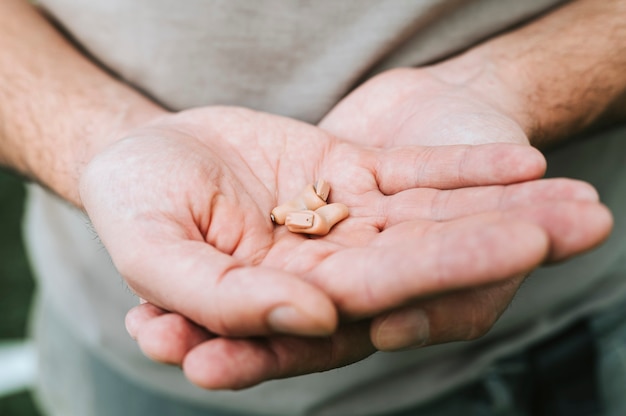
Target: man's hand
(423, 106)
(183, 207)
(447, 104)
(541, 84)
(432, 106)
(232, 363)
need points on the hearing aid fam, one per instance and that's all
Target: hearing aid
(318, 222)
(309, 213)
(311, 198)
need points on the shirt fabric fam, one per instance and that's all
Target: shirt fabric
(298, 59)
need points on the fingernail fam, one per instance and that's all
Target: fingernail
(405, 329)
(288, 320)
(131, 324)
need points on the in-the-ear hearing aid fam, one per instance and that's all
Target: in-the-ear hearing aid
(318, 222)
(308, 213)
(307, 200)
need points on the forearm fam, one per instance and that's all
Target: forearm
(57, 109)
(563, 73)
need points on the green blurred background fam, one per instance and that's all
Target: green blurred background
(16, 283)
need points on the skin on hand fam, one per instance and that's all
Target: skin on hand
(407, 106)
(509, 89)
(197, 250)
(211, 362)
(411, 106)
(396, 211)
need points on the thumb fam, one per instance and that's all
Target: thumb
(213, 290)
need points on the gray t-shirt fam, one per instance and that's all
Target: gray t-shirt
(298, 58)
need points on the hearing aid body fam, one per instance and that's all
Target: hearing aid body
(307, 200)
(309, 213)
(318, 222)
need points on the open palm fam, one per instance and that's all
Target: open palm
(433, 106)
(183, 207)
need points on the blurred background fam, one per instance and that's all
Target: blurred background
(16, 289)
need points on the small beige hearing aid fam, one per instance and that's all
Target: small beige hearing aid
(307, 200)
(318, 222)
(308, 213)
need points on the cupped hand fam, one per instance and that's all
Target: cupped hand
(183, 207)
(233, 363)
(443, 105)
(188, 226)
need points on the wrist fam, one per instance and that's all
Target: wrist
(87, 132)
(559, 76)
(57, 108)
(117, 120)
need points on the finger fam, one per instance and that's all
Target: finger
(449, 167)
(169, 337)
(410, 261)
(471, 251)
(227, 363)
(380, 212)
(572, 227)
(139, 315)
(438, 205)
(207, 286)
(163, 336)
(458, 316)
